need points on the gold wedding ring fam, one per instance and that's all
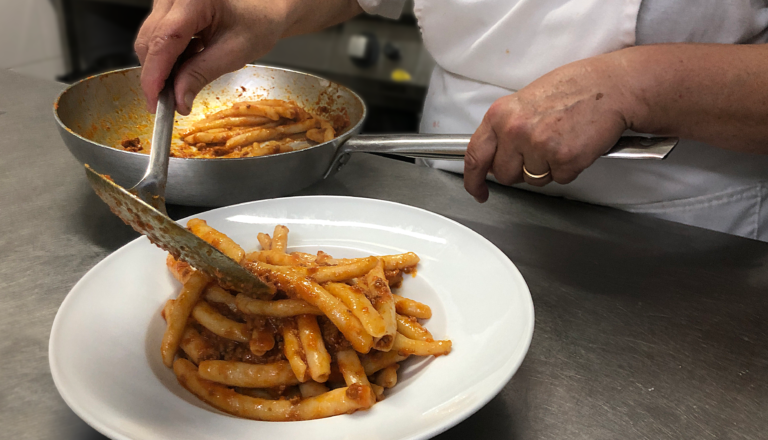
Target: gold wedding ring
(535, 176)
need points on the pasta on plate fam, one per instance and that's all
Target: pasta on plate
(328, 342)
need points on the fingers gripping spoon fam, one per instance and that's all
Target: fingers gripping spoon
(143, 208)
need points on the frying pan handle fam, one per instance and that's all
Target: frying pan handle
(454, 146)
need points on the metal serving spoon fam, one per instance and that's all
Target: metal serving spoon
(143, 208)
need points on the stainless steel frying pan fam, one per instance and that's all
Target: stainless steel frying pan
(97, 113)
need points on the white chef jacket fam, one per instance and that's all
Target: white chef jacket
(486, 49)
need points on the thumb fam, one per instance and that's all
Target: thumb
(479, 160)
(201, 69)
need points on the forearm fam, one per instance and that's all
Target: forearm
(306, 16)
(712, 93)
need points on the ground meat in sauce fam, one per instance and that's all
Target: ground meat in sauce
(394, 278)
(290, 393)
(339, 121)
(332, 337)
(280, 295)
(238, 351)
(230, 350)
(322, 258)
(133, 145)
(227, 312)
(355, 391)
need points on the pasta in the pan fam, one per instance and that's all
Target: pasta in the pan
(249, 129)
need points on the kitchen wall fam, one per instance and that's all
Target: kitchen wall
(30, 42)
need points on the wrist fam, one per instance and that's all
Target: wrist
(305, 16)
(290, 12)
(631, 103)
(638, 86)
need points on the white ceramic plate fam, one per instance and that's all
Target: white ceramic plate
(105, 342)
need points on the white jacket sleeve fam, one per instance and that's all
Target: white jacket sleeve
(385, 8)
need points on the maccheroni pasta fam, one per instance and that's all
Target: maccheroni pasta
(249, 129)
(328, 343)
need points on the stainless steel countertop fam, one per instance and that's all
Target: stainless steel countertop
(645, 329)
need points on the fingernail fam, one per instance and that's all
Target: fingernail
(189, 99)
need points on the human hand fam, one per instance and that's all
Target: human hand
(231, 34)
(556, 126)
